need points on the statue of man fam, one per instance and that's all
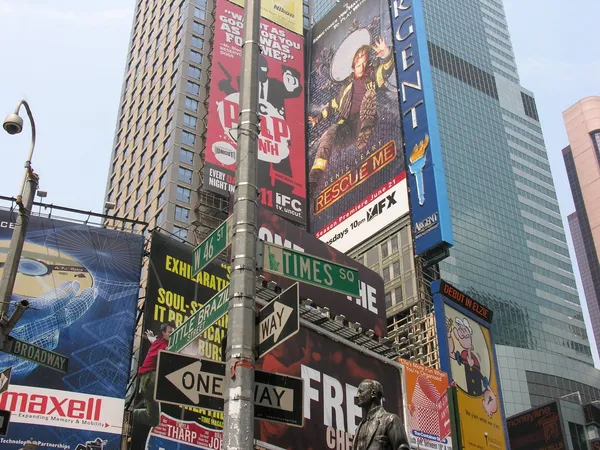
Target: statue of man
(379, 429)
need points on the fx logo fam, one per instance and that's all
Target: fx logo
(382, 204)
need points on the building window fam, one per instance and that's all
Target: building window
(194, 72)
(138, 210)
(151, 177)
(193, 88)
(185, 175)
(595, 135)
(384, 250)
(199, 13)
(396, 268)
(148, 196)
(160, 199)
(198, 28)
(394, 242)
(189, 121)
(169, 142)
(163, 180)
(386, 274)
(153, 159)
(159, 218)
(196, 57)
(398, 295)
(138, 192)
(180, 232)
(197, 42)
(169, 126)
(147, 215)
(183, 194)
(191, 104)
(185, 156)
(182, 214)
(188, 138)
(164, 162)
(170, 112)
(388, 300)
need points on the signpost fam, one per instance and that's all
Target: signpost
(310, 269)
(200, 383)
(212, 246)
(5, 379)
(200, 321)
(279, 320)
(36, 354)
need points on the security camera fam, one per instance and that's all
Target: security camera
(13, 124)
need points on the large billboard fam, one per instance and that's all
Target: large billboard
(172, 295)
(428, 414)
(537, 429)
(357, 178)
(468, 356)
(428, 199)
(82, 284)
(281, 152)
(368, 309)
(285, 13)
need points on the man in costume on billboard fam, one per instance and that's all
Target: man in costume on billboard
(355, 105)
(378, 429)
(150, 414)
(477, 383)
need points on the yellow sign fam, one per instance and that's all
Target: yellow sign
(285, 13)
(473, 369)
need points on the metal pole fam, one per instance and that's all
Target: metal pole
(240, 357)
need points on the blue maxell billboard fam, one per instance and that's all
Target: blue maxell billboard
(428, 199)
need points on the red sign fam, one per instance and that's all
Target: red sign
(281, 143)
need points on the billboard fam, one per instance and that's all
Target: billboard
(285, 13)
(281, 153)
(172, 295)
(468, 356)
(357, 178)
(368, 310)
(537, 429)
(82, 284)
(427, 185)
(428, 415)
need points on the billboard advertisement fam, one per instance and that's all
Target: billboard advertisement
(172, 295)
(428, 415)
(82, 284)
(537, 429)
(426, 179)
(281, 153)
(468, 356)
(285, 13)
(357, 179)
(368, 309)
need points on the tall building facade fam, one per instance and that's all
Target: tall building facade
(510, 249)
(582, 161)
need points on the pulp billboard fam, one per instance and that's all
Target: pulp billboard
(285, 13)
(357, 178)
(537, 429)
(428, 198)
(82, 284)
(281, 153)
(172, 295)
(428, 415)
(468, 356)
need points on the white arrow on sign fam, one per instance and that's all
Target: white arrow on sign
(193, 383)
(273, 324)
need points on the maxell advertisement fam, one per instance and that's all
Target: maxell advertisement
(281, 153)
(285, 13)
(537, 429)
(357, 179)
(428, 415)
(172, 295)
(468, 356)
(428, 198)
(68, 384)
(368, 309)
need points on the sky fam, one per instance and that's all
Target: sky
(67, 59)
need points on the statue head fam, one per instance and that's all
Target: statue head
(370, 392)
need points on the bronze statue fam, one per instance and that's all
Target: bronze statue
(379, 429)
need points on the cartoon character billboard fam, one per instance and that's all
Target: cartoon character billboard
(281, 153)
(82, 284)
(357, 180)
(285, 13)
(468, 356)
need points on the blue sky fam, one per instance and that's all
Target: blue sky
(67, 57)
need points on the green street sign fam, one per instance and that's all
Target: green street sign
(212, 246)
(36, 354)
(310, 270)
(199, 322)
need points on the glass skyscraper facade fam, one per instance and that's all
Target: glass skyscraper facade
(510, 249)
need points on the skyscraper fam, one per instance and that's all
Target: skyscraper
(509, 250)
(582, 160)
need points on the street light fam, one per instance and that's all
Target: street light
(13, 124)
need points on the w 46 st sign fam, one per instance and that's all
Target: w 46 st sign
(212, 246)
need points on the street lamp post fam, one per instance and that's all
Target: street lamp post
(13, 124)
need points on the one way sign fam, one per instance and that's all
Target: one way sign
(279, 320)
